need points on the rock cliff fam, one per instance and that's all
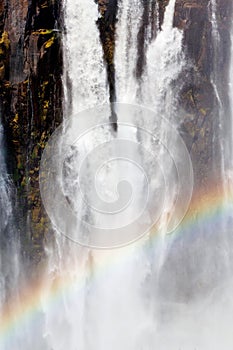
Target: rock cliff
(31, 102)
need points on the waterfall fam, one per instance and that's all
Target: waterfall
(118, 302)
(6, 213)
(231, 103)
(164, 64)
(84, 68)
(84, 63)
(129, 19)
(220, 127)
(96, 307)
(9, 240)
(145, 295)
(8, 258)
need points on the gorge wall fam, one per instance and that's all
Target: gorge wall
(31, 102)
(31, 93)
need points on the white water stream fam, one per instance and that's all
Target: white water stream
(115, 311)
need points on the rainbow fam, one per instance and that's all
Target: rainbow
(206, 209)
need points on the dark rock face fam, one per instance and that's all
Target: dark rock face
(107, 28)
(31, 87)
(206, 77)
(30, 92)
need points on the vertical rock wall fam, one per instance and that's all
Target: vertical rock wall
(204, 82)
(30, 102)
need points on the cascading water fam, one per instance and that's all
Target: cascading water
(100, 303)
(9, 243)
(129, 19)
(84, 57)
(126, 298)
(5, 220)
(229, 155)
(85, 69)
(97, 307)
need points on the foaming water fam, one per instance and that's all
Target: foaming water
(84, 63)
(129, 19)
(79, 312)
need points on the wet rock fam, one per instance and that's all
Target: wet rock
(204, 81)
(30, 98)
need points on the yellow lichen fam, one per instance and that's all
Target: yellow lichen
(42, 32)
(46, 104)
(4, 40)
(49, 43)
(203, 111)
(44, 5)
(16, 118)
